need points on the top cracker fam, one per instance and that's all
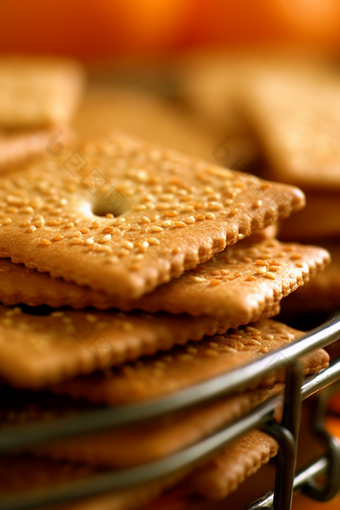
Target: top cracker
(38, 90)
(123, 216)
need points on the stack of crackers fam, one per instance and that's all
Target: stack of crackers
(130, 272)
(289, 106)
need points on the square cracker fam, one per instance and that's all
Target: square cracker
(229, 468)
(191, 364)
(145, 115)
(239, 285)
(37, 350)
(38, 91)
(174, 212)
(23, 473)
(295, 115)
(214, 480)
(243, 282)
(21, 145)
(20, 284)
(211, 81)
(143, 442)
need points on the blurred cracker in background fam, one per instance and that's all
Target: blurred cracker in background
(38, 91)
(148, 116)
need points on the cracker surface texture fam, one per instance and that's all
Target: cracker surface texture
(171, 212)
(191, 364)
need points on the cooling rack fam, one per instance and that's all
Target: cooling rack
(296, 390)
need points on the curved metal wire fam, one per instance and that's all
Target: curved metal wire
(235, 380)
(227, 383)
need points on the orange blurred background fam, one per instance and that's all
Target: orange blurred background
(108, 28)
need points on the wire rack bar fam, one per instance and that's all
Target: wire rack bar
(142, 474)
(235, 380)
(313, 470)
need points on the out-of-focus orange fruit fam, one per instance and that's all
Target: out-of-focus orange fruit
(307, 22)
(150, 24)
(108, 27)
(318, 20)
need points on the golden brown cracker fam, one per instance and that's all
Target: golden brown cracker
(322, 293)
(37, 350)
(243, 283)
(178, 213)
(37, 91)
(162, 123)
(143, 115)
(212, 81)
(261, 235)
(25, 405)
(239, 460)
(19, 146)
(24, 473)
(155, 439)
(188, 365)
(295, 115)
(240, 282)
(209, 81)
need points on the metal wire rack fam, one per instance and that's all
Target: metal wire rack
(286, 433)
